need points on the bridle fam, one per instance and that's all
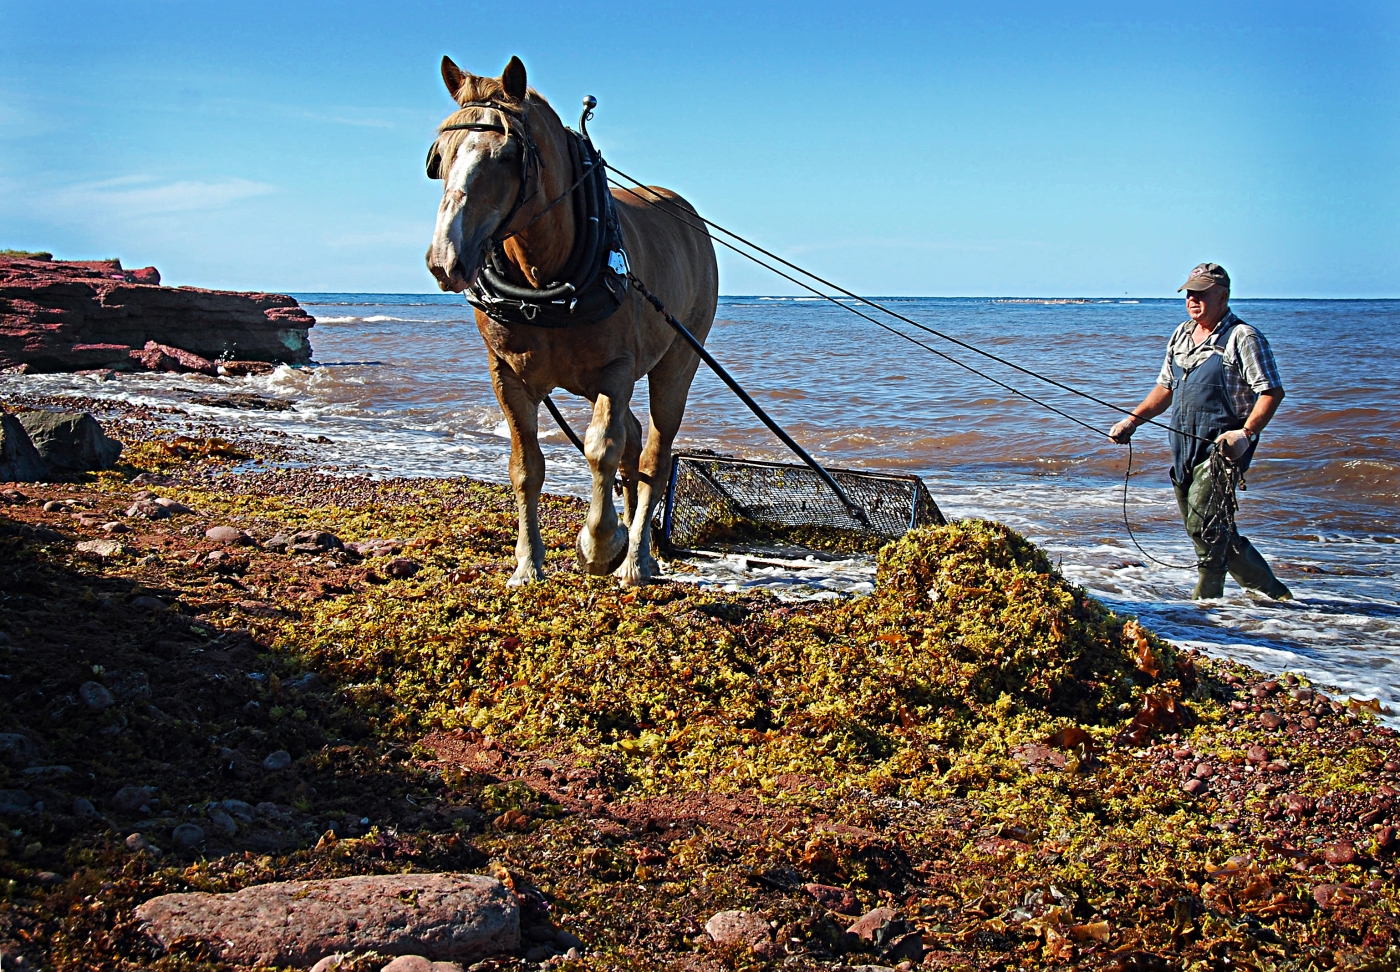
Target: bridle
(530, 161)
(590, 287)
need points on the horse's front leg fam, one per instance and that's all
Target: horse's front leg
(521, 409)
(602, 543)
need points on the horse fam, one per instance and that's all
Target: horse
(506, 163)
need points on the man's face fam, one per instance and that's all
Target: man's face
(1207, 307)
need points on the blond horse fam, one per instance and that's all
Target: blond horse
(486, 197)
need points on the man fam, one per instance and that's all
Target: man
(1221, 381)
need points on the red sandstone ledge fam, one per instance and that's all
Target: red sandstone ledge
(62, 315)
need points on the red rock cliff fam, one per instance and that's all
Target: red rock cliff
(68, 316)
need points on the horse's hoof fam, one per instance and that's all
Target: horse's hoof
(525, 574)
(592, 561)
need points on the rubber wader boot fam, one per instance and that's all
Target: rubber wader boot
(1252, 572)
(1219, 554)
(1209, 583)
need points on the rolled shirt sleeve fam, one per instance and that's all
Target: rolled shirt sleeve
(1257, 363)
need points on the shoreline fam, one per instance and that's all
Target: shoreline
(436, 720)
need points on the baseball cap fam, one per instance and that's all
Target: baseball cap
(1205, 276)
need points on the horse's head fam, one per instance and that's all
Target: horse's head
(486, 158)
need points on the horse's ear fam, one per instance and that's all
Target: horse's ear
(453, 76)
(513, 79)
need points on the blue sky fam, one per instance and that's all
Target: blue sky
(939, 149)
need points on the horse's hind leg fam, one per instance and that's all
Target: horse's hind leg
(526, 469)
(670, 384)
(602, 543)
(627, 466)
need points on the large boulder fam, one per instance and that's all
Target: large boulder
(20, 462)
(70, 442)
(445, 917)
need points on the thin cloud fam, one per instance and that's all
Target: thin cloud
(134, 197)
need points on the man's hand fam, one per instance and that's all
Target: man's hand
(1123, 431)
(1234, 443)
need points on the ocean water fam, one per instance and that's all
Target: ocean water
(400, 387)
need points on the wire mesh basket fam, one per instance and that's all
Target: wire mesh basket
(719, 503)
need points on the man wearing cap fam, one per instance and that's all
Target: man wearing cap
(1221, 381)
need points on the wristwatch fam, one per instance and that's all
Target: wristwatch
(1252, 436)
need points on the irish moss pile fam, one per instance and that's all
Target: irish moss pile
(1025, 778)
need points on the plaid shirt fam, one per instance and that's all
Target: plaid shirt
(1249, 361)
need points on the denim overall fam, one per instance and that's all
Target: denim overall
(1201, 406)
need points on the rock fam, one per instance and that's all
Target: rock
(445, 917)
(227, 534)
(68, 316)
(17, 749)
(148, 603)
(412, 963)
(1256, 754)
(82, 807)
(164, 357)
(134, 799)
(278, 761)
(173, 507)
(96, 696)
(1298, 805)
(147, 510)
(1194, 786)
(102, 548)
(278, 543)
(187, 836)
(138, 844)
(15, 802)
(310, 682)
(375, 548)
(839, 900)
(238, 809)
(70, 442)
(906, 948)
(737, 928)
(48, 773)
(401, 568)
(1385, 839)
(330, 963)
(567, 940)
(313, 542)
(20, 462)
(241, 369)
(1270, 720)
(1323, 894)
(223, 823)
(1339, 854)
(1203, 771)
(115, 526)
(872, 922)
(130, 686)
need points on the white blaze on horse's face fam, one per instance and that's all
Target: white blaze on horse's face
(480, 182)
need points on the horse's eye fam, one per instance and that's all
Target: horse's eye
(434, 163)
